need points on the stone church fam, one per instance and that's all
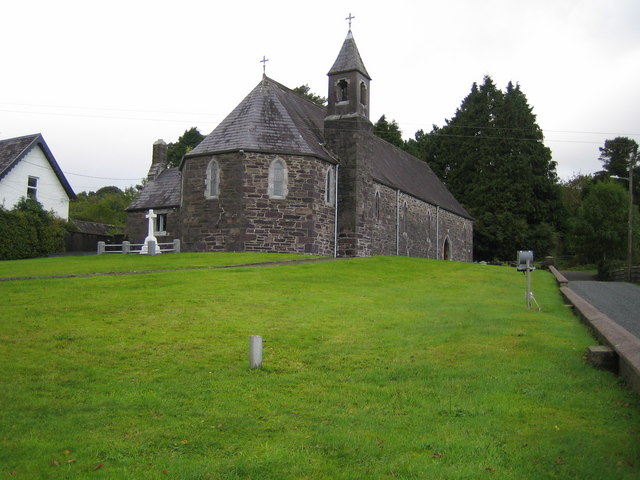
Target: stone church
(283, 174)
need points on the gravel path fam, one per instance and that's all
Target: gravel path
(617, 300)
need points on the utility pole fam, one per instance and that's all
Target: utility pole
(632, 164)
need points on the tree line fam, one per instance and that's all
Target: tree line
(492, 157)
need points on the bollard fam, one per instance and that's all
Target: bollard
(255, 351)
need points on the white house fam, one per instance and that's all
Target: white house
(28, 169)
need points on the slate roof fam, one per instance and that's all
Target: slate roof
(13, 150)
(272, 118)
(398, 169)
(163, 192)
(349, 58)
(94, 228)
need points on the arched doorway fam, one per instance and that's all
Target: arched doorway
(446, 250)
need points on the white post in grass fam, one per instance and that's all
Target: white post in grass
(255, 351)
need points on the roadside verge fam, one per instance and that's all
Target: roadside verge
(609, 333)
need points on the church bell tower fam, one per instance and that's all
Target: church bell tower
(348, 84)
(347, 133)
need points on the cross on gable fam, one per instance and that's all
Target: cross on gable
(264, 64)
(350, 17)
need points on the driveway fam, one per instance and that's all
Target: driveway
(617, 300)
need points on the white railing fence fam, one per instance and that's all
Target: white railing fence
(153, 248)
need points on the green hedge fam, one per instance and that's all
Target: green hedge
(29, 231)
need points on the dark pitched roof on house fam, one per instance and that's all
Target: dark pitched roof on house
(398, 169)
(13, 150)
(349, 58)
(93, 228)
(272, 118)
(163, 192)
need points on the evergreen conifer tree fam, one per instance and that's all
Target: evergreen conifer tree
(492, 158)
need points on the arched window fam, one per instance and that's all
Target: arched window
(330, 187)
(405, 212)
(363, 94)
(377, 206)
(342, 92)
(278, 179)
(213, 180)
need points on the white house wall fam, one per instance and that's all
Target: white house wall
(50, 193)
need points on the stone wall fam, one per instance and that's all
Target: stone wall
(409, 226)
(138, 225)
(244, 218)
(344, 136)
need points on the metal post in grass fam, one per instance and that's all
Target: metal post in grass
(528, 274)
(255, 351)
(525, 265)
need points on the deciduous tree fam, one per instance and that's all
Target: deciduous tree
(106, 205)
(616, 156)
(601, 226)
(187, 142)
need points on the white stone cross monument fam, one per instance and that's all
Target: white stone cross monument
(150, 236)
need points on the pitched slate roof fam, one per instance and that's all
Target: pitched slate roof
(94, 228)
(13, 150)
(272, 118)
(163, 192)
(398, 169)
(349, 58)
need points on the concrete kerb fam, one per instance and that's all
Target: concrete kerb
(619, 339)
(561, 279)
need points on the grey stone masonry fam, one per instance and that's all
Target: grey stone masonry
(243, 217)
(408, 226)
(346, 137)
(258, 182)
(137, 225)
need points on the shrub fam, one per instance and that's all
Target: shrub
(29, 231)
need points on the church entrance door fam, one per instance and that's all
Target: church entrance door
(446, 250)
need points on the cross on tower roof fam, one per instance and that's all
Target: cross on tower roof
(350, 17)
(264, 64)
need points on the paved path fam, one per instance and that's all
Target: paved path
(617, 300)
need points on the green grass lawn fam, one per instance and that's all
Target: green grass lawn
(112, 263)
(373, 368)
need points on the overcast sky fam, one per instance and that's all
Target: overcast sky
(103, 80)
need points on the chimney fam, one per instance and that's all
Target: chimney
(159, 159)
